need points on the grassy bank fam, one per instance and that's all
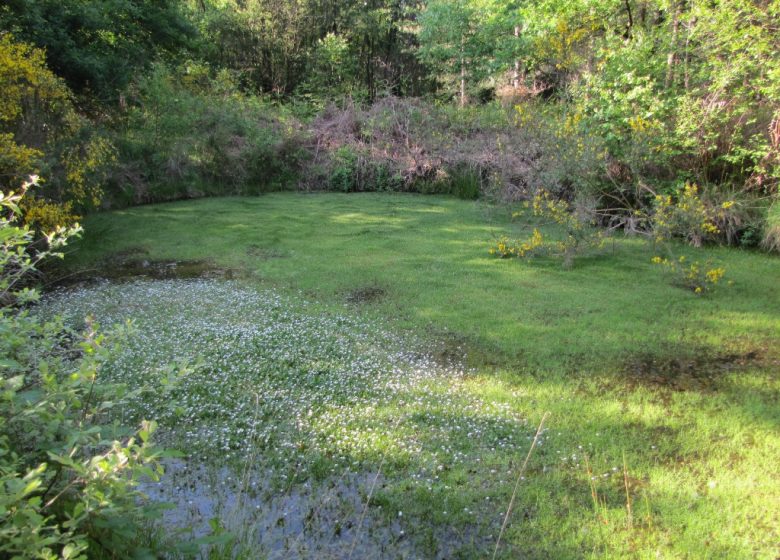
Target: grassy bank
(648, 386)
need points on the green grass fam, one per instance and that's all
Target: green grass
(685, 387)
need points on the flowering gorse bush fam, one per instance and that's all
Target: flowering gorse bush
(67, 472)
(695, 276)
(686, 215)
(505, 247)
(580, 233)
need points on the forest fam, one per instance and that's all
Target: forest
(389, 279)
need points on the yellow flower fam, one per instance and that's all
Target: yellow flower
(715, 274)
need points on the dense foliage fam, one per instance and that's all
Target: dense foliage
(42, 132)
(97, 46)
(68, 470)
(606, 104)
(189, 132)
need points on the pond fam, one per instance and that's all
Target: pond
(302, 429)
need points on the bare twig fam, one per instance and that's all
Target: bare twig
(628, 493)
(370, 494)
(517, 483)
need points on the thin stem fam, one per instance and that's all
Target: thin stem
(628, 494)
(517, 483)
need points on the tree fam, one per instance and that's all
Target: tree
(454, 45)
(97, 46)
(32, 98)
(41, 130)
(276, 46)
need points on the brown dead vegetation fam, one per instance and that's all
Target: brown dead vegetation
(409, 145)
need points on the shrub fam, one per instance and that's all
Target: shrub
(695, 276)
(563, 157)
(67, 471)
(40, 130)
(399, 145)
(19, 253)
(686, 215)
(344, 174)
(505, 247)
(465, 183)
(580, 233)
(580, 229)
(190, 132)
(771, 238)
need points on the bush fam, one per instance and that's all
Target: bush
(344, 175)
(40, 130)
(771, 238)
(580, 233)
(562, 157)
(413, 146)
(67, 471)
(189, 132)
(685, 214)
(694, 276)
(465, 183)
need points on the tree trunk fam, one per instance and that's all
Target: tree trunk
(370, 83)
(687, 54)
(462, 74)
(462, 83)
(671, 59)
(630, 24)
(516, 70)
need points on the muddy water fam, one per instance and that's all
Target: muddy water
(308, 520)
(134, 269)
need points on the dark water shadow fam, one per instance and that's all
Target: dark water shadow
(311, 519)
(689, 370)
(121, 270)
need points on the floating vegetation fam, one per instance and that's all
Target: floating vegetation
(266, 384)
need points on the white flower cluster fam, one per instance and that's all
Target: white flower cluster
(278, 383)
(271, 375)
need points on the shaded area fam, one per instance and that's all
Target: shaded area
(366, 294)
(314, 519)
(688, 371)
(128, 265)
